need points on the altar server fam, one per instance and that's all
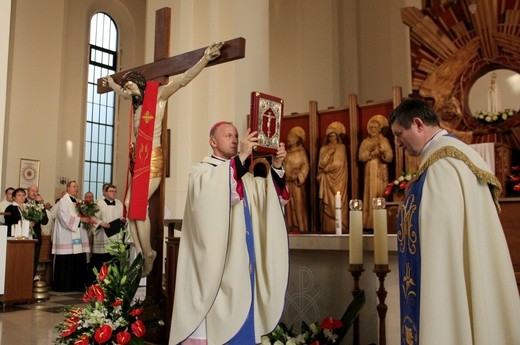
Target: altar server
(233, 256)
(111, 223)
(70, 244)
(456, 278)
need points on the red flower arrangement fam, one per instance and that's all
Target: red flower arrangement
(398, 185)
(111, 316)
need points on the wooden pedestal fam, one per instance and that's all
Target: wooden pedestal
(172, 251)
(45, 260)
(19, 272)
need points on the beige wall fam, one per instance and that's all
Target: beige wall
(301, 50)
(46, 104)
(219, 93)
(324, 50)
(33, 110)
(5, 23)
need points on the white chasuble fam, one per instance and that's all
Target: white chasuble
(213, 282)
(468, 292)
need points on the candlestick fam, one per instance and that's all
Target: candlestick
(338, 213)
(356, 270)
(380, 232)
(381, 271)
(355, 230)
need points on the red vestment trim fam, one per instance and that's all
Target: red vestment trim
(143, 154)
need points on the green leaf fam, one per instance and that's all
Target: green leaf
(353, 310)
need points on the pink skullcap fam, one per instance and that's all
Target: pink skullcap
(216, 125)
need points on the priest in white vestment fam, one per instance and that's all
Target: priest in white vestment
(70, 244)
(234, 255)
(110, 222)
(457, 285)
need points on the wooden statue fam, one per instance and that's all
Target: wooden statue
(333, 177)
(296, 172)
(375, 152)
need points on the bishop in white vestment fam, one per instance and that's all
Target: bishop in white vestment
(233, 257)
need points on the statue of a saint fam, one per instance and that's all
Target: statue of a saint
(146, 146)
(375, 152)
(494, 105)
(296, 172)
(333, 177)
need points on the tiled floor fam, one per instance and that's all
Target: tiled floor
(34, 324)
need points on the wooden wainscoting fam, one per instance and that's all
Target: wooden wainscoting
(510, 218)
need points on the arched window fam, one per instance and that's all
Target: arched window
(99, 134)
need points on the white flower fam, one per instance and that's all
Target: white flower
(265, 340)
(314, 328)
(300, 339)
(495, 116)
(330, 335)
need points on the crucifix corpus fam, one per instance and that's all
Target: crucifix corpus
(149, 89)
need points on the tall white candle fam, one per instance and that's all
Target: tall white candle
(338, 213)
(380, 233)
(355, 229)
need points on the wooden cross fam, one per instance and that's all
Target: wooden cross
(160, 70)
(164, 66)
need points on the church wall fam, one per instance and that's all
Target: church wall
(384, 49)
(56, 52)
(129, 17)
(47, 86)
(219, 93)
(325, 50)
(310, 52)
(5, 22)
(301, 37)
(33, 108)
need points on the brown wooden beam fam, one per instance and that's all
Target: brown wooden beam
(232, 50)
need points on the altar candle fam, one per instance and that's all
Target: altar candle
(355, 232)
(380, 233)
(338, 213)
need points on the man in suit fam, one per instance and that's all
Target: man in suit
(34, 197)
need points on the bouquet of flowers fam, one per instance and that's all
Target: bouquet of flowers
(111, 315)
(494, 117)
(399, 184)
(314, 334)
(88, 209)
(328, 331)
(33, 211)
